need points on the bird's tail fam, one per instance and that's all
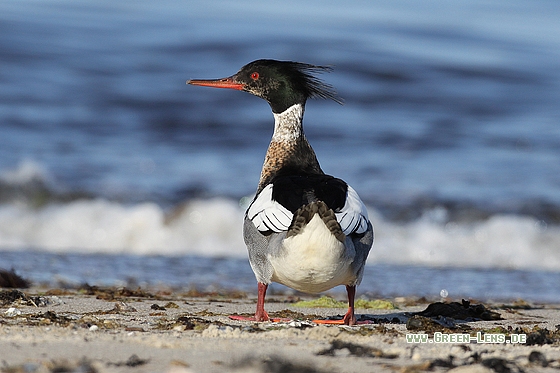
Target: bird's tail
(305, 213)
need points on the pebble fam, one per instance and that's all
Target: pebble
(12, 311)
(123, 307)
(538, 358)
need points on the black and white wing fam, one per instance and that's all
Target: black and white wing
(353, 217)
(268, 214)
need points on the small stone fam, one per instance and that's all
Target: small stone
(110, 324)
(123, 307)
(538, 358)
(12, 312)
(54, 300)
(93, 328)
(134, 361)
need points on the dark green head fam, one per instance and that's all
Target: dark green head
(281, 83)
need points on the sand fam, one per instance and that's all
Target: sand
(116, 330)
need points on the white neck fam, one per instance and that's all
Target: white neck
(288, 124)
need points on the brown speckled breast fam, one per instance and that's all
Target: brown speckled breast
(295, 157)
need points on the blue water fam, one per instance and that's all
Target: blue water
(450, 128)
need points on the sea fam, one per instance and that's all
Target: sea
(114, 172)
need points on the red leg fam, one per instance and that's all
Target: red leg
(350, 318)
(260, 314)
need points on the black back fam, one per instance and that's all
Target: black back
(295, 191)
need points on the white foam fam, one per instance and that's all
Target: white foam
(214, 228)
(202, 227)
(505, 241)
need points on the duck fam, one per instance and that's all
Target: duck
(304, 229)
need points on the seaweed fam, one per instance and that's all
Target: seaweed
(274, 364)
(355, 350)
(10, 296)
(429, 325)
(132, 361)
(289, 314)
(10, 279)
(460, 311)
(329, 302)
(500, 365)
(111, 294)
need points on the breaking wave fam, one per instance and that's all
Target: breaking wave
(213, 228)
(37, 214)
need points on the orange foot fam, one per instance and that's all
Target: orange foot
(341, 322)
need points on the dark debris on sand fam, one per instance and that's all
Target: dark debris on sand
(542, 336)
(133, 361)
(294, 315)
(184, 322)
(8, 297)
(355, 350)
(431, 325)
(10, 279)
(460, 311)
(449, 317)
(111, 294)
(274, 364)
(500, 365)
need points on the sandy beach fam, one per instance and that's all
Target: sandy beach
(122, 330)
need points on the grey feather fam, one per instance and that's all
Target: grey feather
(258, 247)
(362, 245)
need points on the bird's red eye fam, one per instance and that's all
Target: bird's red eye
(255, 75)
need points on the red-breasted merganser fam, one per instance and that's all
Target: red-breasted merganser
(304, 229)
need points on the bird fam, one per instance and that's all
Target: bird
(304, 229)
